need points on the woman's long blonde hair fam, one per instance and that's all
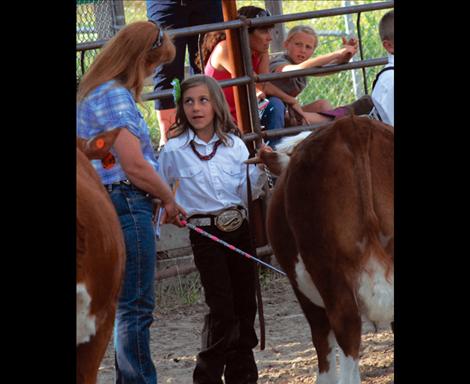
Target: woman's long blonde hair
(127, 57)
(223, 123)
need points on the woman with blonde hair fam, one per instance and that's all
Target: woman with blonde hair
(205, 156)
(107, 99)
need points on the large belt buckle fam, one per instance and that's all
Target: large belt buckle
(229, 220)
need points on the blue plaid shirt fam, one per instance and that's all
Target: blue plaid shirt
(110, 106)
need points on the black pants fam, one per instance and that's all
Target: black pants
(228, 336)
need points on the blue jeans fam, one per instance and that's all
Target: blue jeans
(274, 117)
(134, 313)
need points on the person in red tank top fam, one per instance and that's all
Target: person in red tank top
(225, 75)
(217, 65)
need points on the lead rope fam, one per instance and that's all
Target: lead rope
(259, 298)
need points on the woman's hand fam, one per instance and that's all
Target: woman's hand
(298, 108)
(171, 213)
(260, 95)
(291, 100)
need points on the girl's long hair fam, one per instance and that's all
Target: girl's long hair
(126, 57)
(223, 123)
(211, 39)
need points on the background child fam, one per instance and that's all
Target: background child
(206, 154)
(300, 45)
(383, 88)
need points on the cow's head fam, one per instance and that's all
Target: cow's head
(98, 146)
(278, 160)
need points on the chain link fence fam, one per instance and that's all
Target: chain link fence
(101, 19)
(96, 20)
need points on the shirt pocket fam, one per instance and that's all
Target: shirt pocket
(232, 170)
(231, 177)
(188, 173)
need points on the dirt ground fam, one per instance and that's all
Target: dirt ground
(289, 356)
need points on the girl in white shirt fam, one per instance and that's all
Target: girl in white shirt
(205, 155)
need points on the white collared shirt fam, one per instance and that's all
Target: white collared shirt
(207, 187)
(383, 94)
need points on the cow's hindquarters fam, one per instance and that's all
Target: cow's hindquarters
(285, 250)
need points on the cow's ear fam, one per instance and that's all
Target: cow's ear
(98, 146)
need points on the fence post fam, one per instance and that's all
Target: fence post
(119, 18)
(356, 74)
(275, 8)
(229, 9)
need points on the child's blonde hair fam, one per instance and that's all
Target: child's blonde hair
(304, 29)
(223, 123)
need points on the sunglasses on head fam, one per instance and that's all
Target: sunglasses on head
(263, 13)
(159, 41)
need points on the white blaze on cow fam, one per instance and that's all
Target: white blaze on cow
(100, 258)
(330, 224)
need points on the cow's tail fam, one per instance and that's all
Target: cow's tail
(376, 283)
(363, 134)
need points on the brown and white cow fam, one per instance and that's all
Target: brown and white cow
(330, 224)
(100, 259)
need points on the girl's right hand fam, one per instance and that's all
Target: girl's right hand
(348, 51)
(353, 42)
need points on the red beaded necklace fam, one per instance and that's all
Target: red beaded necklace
(210, 155)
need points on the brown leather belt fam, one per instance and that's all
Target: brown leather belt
(227, 221)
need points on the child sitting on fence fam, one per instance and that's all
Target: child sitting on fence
(383, 87)
(300, 45)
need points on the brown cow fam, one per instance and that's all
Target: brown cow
(100, 259)
(330, 224)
